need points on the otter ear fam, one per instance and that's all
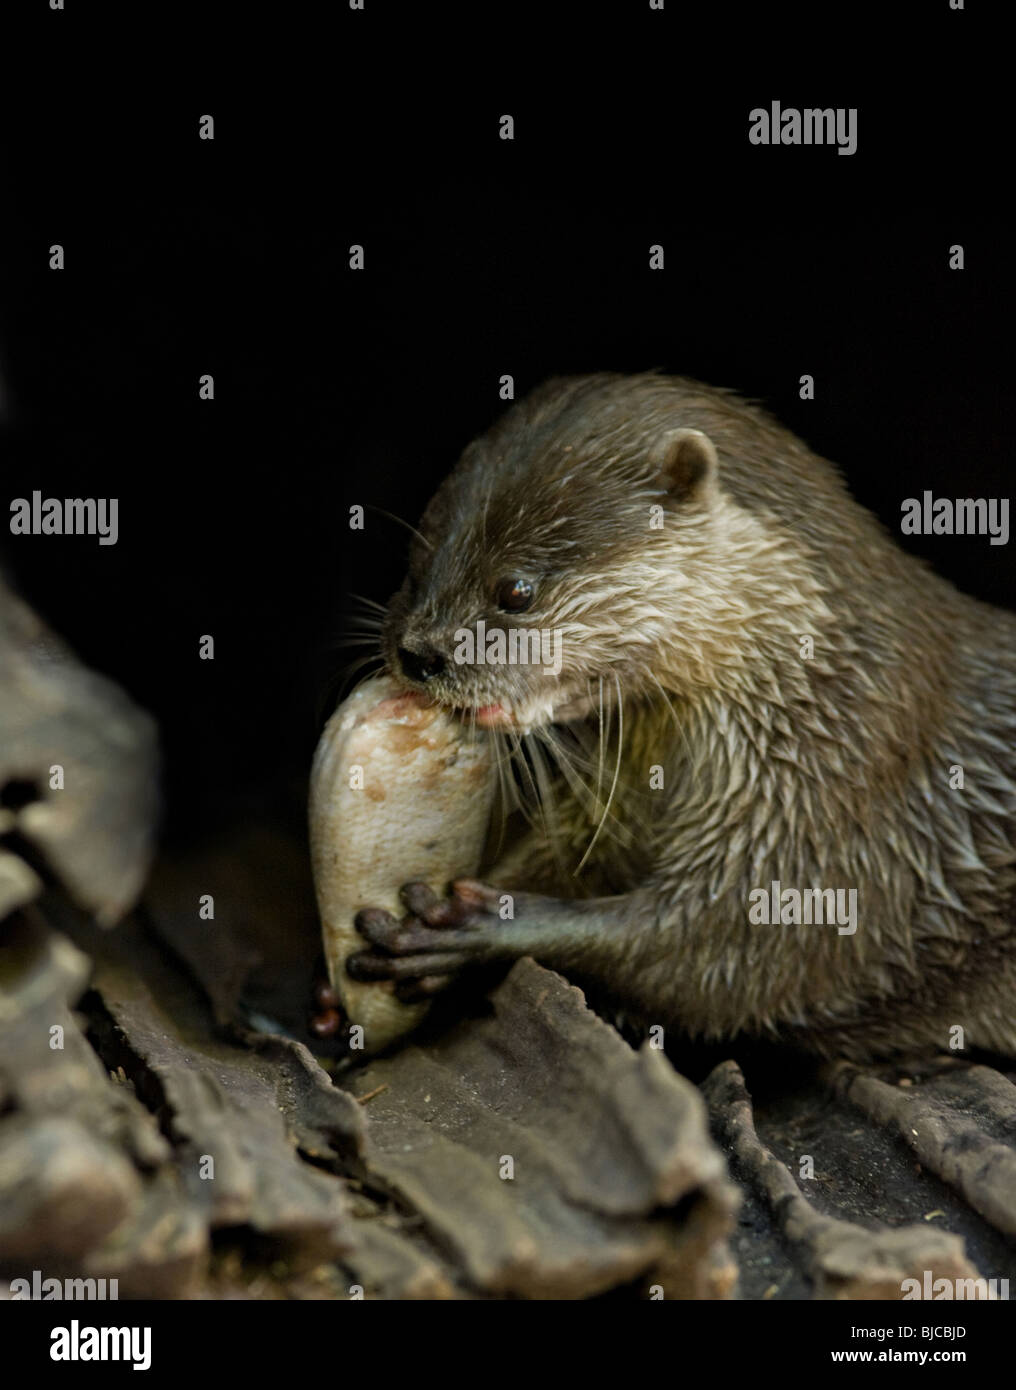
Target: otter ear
(687, 462)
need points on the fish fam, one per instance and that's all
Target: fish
(401, 790)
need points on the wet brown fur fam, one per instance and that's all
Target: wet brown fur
(831, 772)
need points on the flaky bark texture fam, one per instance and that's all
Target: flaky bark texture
(82, 761)
(520, 1148)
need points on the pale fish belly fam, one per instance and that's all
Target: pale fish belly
(400, 790)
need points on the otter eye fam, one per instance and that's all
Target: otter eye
(514, 595)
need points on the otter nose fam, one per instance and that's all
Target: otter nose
(422, 665)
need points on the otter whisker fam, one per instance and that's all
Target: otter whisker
(585, 795)
(381, 608)
(635, 821)
(398, 520)
(520, 761)
(548, 800)
(364, 641)
(335, 689)
(354, 666)
(364, 623)
(504, 763)
(617, 773)
(503, 797)
(599, 770)
(486, 508)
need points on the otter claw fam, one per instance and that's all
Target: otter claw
(458, 911)
(420, 900)
(437, 938)
(388, 934)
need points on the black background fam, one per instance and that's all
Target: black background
(482, 257)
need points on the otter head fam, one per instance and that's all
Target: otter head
(552, 563)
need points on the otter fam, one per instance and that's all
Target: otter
(758, 691)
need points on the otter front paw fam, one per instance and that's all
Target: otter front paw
(434, 942)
